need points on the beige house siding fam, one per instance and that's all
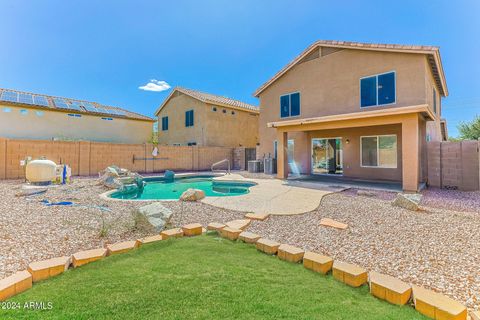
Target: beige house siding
(211, 128)
(434, 132)
(42, 124)
(177, 133)
(330, 85)
(237, 129)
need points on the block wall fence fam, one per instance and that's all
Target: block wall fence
(454, 165)
(88, 158)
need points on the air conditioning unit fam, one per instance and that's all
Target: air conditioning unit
(255, 166)
(270, 166)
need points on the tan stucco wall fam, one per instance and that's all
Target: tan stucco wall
(58, 125)
(231, 130)
(330, 85)
(433, 127)
(177, 133)
(211, 128)
(409, 128)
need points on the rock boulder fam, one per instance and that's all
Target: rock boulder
(409, 201)
(157, 214)
(192, 195)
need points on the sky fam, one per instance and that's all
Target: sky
(115, 52)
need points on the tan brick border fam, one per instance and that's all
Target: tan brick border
(427, 302)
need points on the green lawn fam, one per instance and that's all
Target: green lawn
(201, 278)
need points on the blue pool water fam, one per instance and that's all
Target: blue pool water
(158, 189)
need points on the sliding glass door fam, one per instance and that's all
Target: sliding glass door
(327, 156)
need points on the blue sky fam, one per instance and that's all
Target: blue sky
(104, 50)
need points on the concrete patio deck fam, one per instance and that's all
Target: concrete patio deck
(340, 182)
(272, 196)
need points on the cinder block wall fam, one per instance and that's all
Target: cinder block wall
(454, 165)
(88, 158)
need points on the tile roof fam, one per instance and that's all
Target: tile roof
(212, 99)
(433, 53)
(103, 110)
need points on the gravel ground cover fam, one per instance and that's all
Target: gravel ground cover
(434, 248)
(31, 231)
(452, 199)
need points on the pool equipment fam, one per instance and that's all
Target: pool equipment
(40, 172)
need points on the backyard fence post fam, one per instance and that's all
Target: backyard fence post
(3, 158)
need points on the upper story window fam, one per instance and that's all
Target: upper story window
(434, 101)
(290, 105)
(189, 118)
(377, 90)
(164, 123)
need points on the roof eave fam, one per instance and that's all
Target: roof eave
(435, 51)
(422, 109)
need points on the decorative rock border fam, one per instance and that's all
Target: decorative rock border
(193, 229)
(350, 274)
(45, 269)
(172, 233)
(429, 303)
(120, 247)
(83, 257)
(249, 237)
(15, 284)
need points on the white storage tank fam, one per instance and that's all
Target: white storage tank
(41, 171)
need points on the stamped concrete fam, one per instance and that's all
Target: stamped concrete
(269, 196)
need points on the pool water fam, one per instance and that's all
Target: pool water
(157, 189)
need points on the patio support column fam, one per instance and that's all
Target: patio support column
(410, 153)
(282, 148)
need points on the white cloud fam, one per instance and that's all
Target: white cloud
(156, 86)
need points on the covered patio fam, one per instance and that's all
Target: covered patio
(402, 162)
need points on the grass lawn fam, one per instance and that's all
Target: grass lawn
(200, 278)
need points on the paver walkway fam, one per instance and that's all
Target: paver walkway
(270, 196)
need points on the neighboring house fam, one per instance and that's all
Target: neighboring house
(190, 117)
(40, 117)
(354, 109)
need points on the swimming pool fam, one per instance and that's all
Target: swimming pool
(158, 189)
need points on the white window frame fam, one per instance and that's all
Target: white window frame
(378, 153)
(376, 75)
(290, 101)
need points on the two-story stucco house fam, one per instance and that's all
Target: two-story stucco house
(359, 110)
(191, 117)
